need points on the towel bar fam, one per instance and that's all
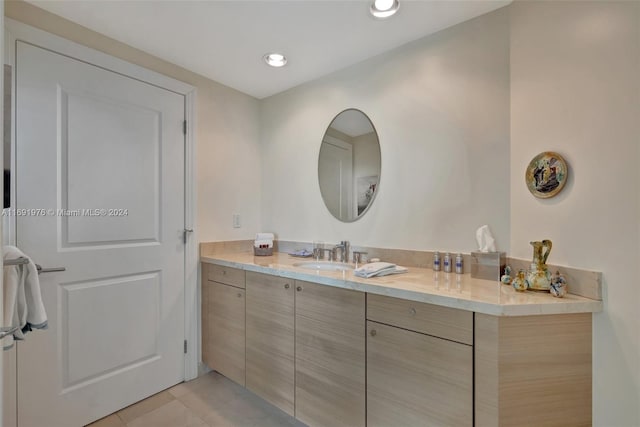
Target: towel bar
(49, 270)
(23, 260)
(16, 261)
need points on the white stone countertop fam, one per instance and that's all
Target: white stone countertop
(418, 284)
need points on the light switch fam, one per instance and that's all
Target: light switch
(236, 220)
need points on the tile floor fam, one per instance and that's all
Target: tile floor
(208, 401)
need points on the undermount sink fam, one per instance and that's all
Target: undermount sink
(324, 265)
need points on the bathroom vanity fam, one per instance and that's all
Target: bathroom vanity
(421, 348)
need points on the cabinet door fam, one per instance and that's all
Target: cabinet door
(330, 356)
(204, 313)
(417, 380)
(270, 339)
(226, 321)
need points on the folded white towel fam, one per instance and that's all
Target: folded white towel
(378, 269)
(397, 270)
(264, 236)
(22, 297)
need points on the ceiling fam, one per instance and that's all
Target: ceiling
(226, 40)
(353, 123)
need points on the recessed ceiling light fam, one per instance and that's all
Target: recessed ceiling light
(384, 8)
(275, 59)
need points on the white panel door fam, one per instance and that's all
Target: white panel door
(335, 169)
(100, 161)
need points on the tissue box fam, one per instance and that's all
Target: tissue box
(488, 265)
(262, 251)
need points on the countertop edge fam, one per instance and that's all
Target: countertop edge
(502, 310)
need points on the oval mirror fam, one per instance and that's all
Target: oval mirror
(349, 165)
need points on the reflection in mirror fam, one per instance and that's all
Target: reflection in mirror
(7, 135)
(349, 165)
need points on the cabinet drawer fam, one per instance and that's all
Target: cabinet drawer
(275, 282)
(226, 275)
(443, 322)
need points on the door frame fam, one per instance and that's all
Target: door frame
(14, 31)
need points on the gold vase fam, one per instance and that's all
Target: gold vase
(539, 277)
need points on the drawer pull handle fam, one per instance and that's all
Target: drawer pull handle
(412, 311)
(239, 295)
(373, 332)
(224, 272)
(299, 288)
(286, 286)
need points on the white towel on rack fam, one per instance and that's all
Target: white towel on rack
(22, 299)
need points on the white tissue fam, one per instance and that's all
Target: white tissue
(264, 240)
(486, 242)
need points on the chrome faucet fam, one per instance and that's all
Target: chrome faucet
(331, 254)
(344, 251)
(358, 257)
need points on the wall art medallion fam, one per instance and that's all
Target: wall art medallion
(546, 174)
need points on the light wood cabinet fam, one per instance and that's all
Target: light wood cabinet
(312, 351)
(330, 356)
(419, 364)
(417, 380)
(533, 370)
(270, 369)
(444, 322)
(204, 315)
(224, 329)
(226, 275)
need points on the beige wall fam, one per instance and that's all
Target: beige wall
(228, 153)
(441, 109)
(575, 89)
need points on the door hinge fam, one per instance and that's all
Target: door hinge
(185, 346)
(184, 127)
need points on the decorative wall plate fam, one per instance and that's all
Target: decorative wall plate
(546, 174)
